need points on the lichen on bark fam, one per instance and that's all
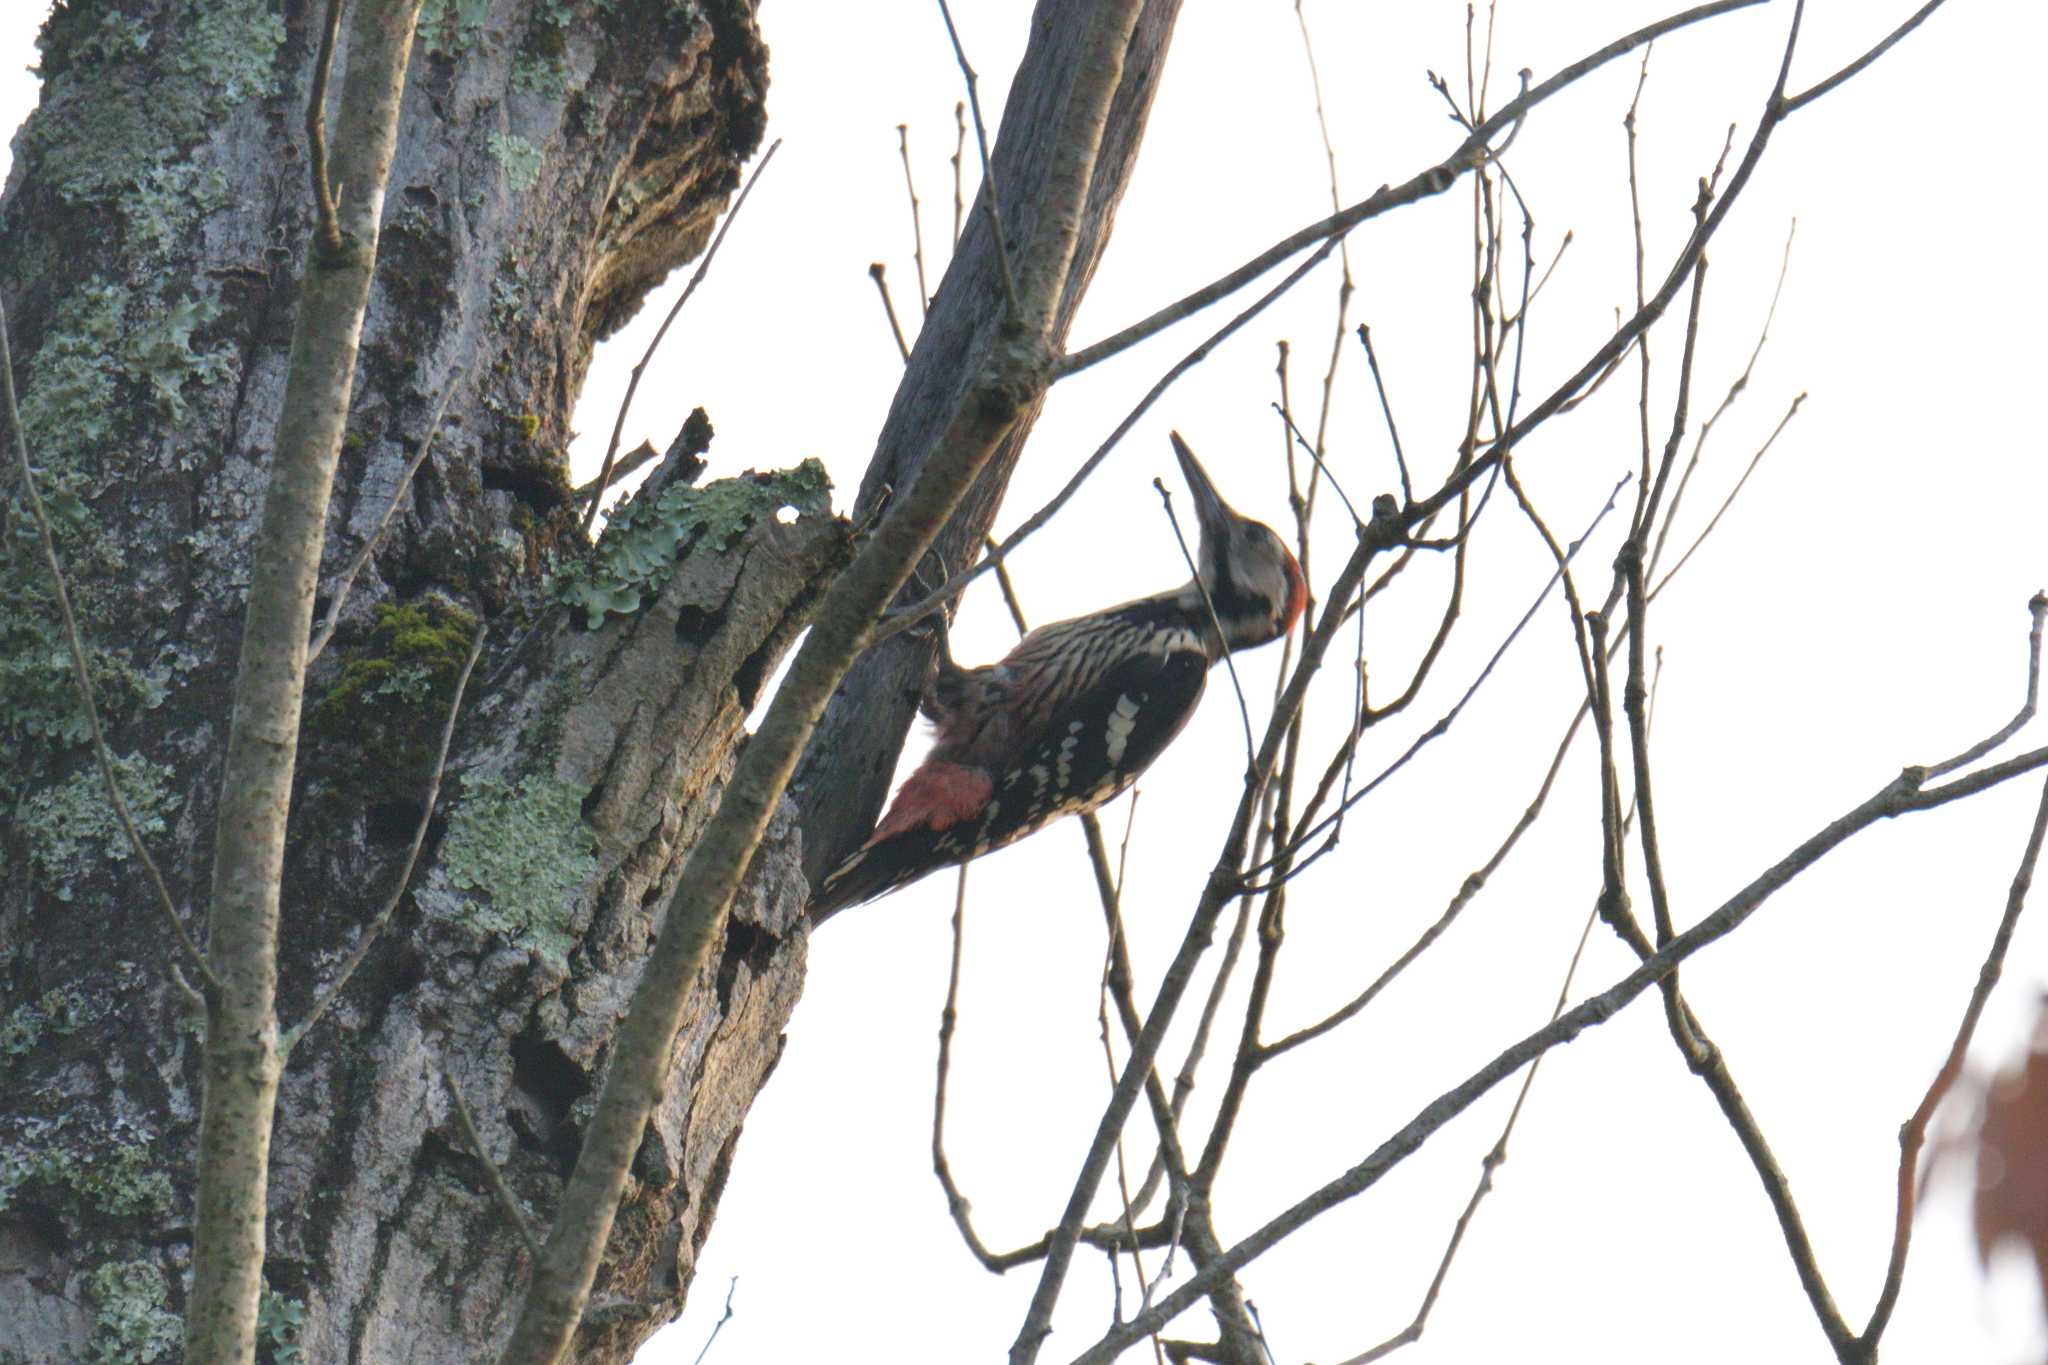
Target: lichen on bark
(149, 245)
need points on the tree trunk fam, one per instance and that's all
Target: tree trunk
(150, 241)
(551, 168)
(845, 777)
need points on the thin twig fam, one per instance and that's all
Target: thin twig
(1470, 153)
(924, 301)
(959, 146)
(1808, 96)
(1244, 710)
(956, 1203)
(316, 130)
(906, 617)
(1735, 391)
(719, 1326)
(1729, 501)
(1496, 1157)
(332, 991)
(1321, 467)
(1914, 1132)
(2038, 607)
(79, 674)
(1114, 908)
(1372, 360)
(611, 450)
(343, 585)
(879, 273)
(988, 169)
(506, 1199)
(1904, 794)
(1445, 721)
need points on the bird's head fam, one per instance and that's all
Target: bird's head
(1252, 581)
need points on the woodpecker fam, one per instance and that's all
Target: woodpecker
(1077, 710)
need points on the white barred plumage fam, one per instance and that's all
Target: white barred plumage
(1071, 716)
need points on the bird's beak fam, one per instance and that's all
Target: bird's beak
(1213, 512)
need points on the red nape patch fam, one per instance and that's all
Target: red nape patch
(1297, 592)
(937, 796)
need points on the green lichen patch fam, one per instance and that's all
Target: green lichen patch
(67, 405)
(279, 1320)
(71, 407)
(218, 54)
(391, 698)
(645, 535)
(541, 72)
(132, 1321)
(167, 200)
(520, 159)
(527, 849)
(39, 694)
(160, 352)
(232, 49)
(111, 1175)
(59, 1012)
(72, 825)
(446, 27)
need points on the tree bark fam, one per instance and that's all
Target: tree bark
(150, 242)
(549, 171)
(845, 777)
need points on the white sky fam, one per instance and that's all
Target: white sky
(1863, 607)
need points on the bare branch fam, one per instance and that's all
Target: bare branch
(507, 1200)
(924, 293)
(82, 678)
(879, 274)
(329, 993)
(1914, 1132)
(2038, 608)
(316, 129)
(1735, 390)
(719, 1326)
(1387, 410)
(904, 618)
(959, 145)
(1729, 501)
(990, 200)
(242, 1061)
(1470, 153)
(1808, 96)
(956, 1202)
(611, 450)
(1903, 795)
(342, 586)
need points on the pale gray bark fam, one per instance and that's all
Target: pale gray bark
(150, 244)
(242, 1061)
(843, 781)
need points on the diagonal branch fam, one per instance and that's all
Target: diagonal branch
(611, 450)
(332, 990)
(1914, 1131)
(1904, 794)
(1009, 380)
(83, 678)
(343, 585)
(1434, 180)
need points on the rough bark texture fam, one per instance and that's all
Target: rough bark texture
(555, 160)
(845, 778)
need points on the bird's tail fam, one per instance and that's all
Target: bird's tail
(880, 866)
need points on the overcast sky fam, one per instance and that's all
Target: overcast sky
(1861, 608)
